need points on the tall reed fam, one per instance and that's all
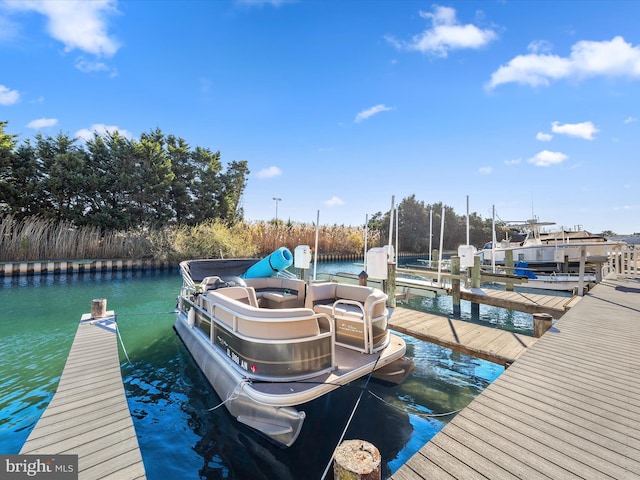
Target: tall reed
(40, 239)
(36, 238)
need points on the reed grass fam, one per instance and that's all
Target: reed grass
(39, 239)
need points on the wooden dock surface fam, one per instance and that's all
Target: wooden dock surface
(492, 344)
(569, 407)
(89, 415)
(554, 305)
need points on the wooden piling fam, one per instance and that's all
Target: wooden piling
(391, 285)
(541, 323)
(356, 460)
(475, 274)
(99, 308)
(508, 263)
(455, 285)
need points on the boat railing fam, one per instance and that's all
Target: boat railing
(368, 320)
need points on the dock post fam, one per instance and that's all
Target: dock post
(434, 254)
(508, 263)
(99, 308)
(356, 460)
(455, 285)
(541, 323)
(475, 275)
(391, 285)
(583, 259)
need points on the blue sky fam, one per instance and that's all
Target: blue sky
(338, 105)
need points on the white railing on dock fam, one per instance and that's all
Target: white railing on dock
(623, 261)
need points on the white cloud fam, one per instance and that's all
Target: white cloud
(8, 97)
(87, 134)
(88, 66)
(260, 3)
(544, 137)
(371, 112)
(334, 202)
(8, 29)
(539, 46)
(485, 170)
(78, 24)
(445, 34)
(42, 123)
(630, 120)
(515, 161)
(546, 158)
(613, 58)
(584, 130)
(269, 172)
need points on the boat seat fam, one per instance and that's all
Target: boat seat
(209, 283)
(242, 294)
(265, 323)
(322, 296)
(277, 292)
(359, 313)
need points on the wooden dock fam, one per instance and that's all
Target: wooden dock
(89, 415)
(554, 305)
(492, 344)
(569, 407)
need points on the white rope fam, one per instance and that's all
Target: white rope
(233, 395)
(353, 412)
(423, 415)
(121, 342)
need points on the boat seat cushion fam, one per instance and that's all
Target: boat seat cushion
(321, 297)
(245, 295)
(276, 292)
(273, 324)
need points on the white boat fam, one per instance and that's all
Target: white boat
(269, 344)
(567, 282)
(549, 249)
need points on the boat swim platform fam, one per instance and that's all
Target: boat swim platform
(569, 407)
(489, 343)
(89, 415)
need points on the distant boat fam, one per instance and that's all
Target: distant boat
(544, 250)
(269, 344)
(568, 282)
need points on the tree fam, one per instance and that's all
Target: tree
(150, 199)
(234, 181)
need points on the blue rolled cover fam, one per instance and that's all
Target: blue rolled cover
(270, 265)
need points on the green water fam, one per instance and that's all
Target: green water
(170, 400)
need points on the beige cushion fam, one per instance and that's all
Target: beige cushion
(280, 324)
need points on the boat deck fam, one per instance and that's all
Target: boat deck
(569, 407)
(89, 415)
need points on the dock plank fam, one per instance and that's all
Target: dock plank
(568, 407)
(89, 415)
(489, 343)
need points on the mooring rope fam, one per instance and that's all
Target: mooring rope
(120, 338)
(233, 395)
(423, 415)
(353, 412)
(172, 312)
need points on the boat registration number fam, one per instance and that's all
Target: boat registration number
(237, 360)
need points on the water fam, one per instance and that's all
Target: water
(170, 399)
